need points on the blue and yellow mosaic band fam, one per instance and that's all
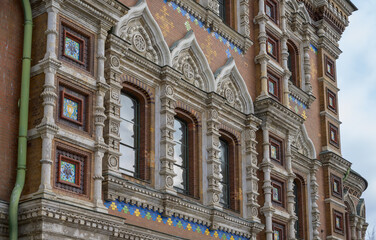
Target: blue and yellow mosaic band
(298, 106)
(67, 172)
(155, 216)
(70, 109)
(199, 23)
(313, 48)
(72, 48)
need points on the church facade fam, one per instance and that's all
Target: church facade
(180, 119)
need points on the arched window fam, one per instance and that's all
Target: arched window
(136, 132)
(292, 63)
(299, 207)
(130, 135)
(187, 153)
(181, 155)
(229, 154)
(224, 159)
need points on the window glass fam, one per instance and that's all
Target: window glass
(129, 131)
(222, 10)
(224, 158)
(181, 155)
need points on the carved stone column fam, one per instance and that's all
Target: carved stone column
(100, 117)
(353, 224)
(47, 128)
(314, 196)
(266, 167)
(167, 117)
(307, 64)
(287, 73)
(290, 190)
(112, 105)
(251, 171)
(214, 175)
(244, 18)
(262, 58)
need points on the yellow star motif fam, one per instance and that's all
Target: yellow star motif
(165, 24)
(207, 232)
(215, 234)
(304, 115)
(189, 227)
(113, 206)
(159, 218)
(137, 212)
(169, 221)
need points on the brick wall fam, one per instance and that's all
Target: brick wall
(11, 38)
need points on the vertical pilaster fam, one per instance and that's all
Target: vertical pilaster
(353, 224)
(266, 167)
(285, 55)
(307, 64)
(214, 175)
(114, 80)
(47, 128)
(262, 58)
(314, 196)
(252, 206)
(167, 117)
(290, 190)
(212, 5)
(100, 117)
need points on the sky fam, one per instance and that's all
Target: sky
(356, 73)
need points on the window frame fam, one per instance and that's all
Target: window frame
(227, 12)
(333, 128)
(294, 57)
(331, 63)
(137, 137)
(333, 96)
(227, 183)
(340, 229)
(335, 179)
(279, 144)
(281, 228)
(275, 43)
(274, 7)
(233, 167)
(281, 186)
(146, 130)
(186, 160)
(276, 81)
(194, 149)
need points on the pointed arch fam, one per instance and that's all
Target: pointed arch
(230, 84)
(188, 57)
(349, 203)
(304, 143)
(148, 28)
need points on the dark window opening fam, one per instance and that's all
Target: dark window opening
(181, 156)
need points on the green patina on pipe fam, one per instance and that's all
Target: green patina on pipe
(24, 111)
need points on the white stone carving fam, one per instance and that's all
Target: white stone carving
(231, 85)
(187, 49)
(156, 48)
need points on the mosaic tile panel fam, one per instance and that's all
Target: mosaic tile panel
(313, 48)
(275, 194)
(175, 222)
(270, 48)
(273, 151)
(70, 109)
(68, 172)
(298, 107)
(335, 186)
(268, 10)
(200, 24)
(272, 89)
(276, 235)
(338, 222)
(72, 48)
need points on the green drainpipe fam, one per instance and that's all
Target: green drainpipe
(24, 111)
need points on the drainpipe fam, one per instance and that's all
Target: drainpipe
(24, 111)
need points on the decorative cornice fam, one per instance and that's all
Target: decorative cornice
(334, 161)
(211, 20)
(302, 96)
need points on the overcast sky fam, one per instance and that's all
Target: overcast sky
(357, 99)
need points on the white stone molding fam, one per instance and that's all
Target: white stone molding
(300, 9)
(48, 128)
(213, 163)
(189, 45)
(304, 144)
(167, 116)
(155, 40)
(315, 213)
(266, 167)
(243, 14)
(262, 58)
(212, 5)
(230, 84)
(114, 47)
(307, 64)
(251, 193)
(290, 190)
